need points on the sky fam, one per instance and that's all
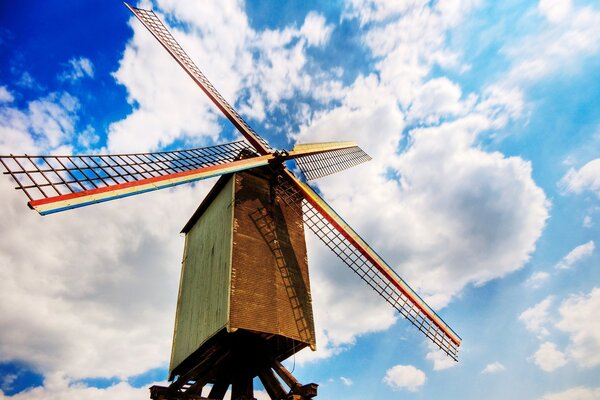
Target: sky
(483, 192)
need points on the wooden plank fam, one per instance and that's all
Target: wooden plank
(203, 302)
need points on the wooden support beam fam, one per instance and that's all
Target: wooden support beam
(197, 387)
(304, 391)
(271, 384)
(242, 388)
(201, 369)
(285, 375)
(219, 389)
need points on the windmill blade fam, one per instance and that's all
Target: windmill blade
(162, 34)
(57, 183)
(338, 157)
(354, 252)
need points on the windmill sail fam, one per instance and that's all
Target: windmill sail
(58, 183)
(318, 165)
(162, 34)
(356, 254)
(55, 183)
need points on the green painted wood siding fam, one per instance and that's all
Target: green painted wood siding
(203, 302)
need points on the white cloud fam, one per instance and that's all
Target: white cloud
(557, 48)
(45, 125)
(493, 368)
(587, 178)
(6, 384)
(576, 393)
(404, 377)
(346, 381)
(579, 318)
(315, 29)
(378, 10)
(439, 359)
(436, 98)
(58, 387)
(536, 317)
(587, 222)
(80, 304)
(5, 95)
(255, 69)
(554, 10)
(548, 357)
(88, 137)
(577, 254)
(449, 197)
(537, 279)
(460, 215)
(53, 118)
(78, 68)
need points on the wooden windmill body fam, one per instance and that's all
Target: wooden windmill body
(244, 301)
(244, 284)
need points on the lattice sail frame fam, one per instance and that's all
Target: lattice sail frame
(316, 166)
(42, 177)
(405, 300)
(149, 19)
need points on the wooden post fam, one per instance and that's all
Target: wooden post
(219, 389)
(242, 388)
(271, 384)
(284, 374)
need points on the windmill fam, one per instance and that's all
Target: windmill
(244, 301)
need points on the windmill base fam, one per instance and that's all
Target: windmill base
(298, 392)
(234, 360)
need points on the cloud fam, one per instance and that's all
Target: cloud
(576, 317)
(587, 178)
(346, 381)
(437, 98)
(579, 318)
(5, 95)
(315, 29)
(46, 124)
(461, 215)
(554, 10)
(493, 368)
(576, 393)
(378, 10)
(79, 304)
(88, 138)
(537, 279)
(440, 360)
(548, 357)
(537, 316)
(577, 254)
(7, 382)
(404, 377)
(556, 48)
(58, 387)
(79, 68)
(253, 70)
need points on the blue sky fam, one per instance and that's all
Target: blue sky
(483, 193)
